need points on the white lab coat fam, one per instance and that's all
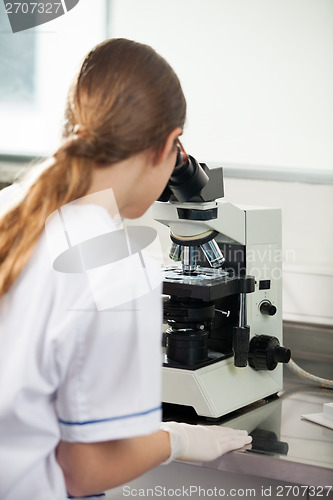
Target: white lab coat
(70, 369)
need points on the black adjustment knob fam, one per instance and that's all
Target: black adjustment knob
(240, 345)
(265, 353)
(268, 442)
(267, 308)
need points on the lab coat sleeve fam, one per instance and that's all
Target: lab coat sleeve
(109, 363)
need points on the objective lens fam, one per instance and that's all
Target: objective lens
(189, 258)
(175, 252)
(213, 254)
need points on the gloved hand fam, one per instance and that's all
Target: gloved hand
(202, 443)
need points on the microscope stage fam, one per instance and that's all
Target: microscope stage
(206, 284)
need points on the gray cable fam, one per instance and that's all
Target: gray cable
(322, 382)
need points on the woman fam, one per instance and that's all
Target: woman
(80, 383)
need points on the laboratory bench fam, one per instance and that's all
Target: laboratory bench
(290, 457)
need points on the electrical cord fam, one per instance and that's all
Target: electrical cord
(322, 382)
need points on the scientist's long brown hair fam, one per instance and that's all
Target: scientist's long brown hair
(125, 99)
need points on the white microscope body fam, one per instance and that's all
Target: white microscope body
(250, 239)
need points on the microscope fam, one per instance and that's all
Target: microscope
(221, 295)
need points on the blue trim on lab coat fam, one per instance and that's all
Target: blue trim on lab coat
(120, 417)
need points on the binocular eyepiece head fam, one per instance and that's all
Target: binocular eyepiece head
(187, 179)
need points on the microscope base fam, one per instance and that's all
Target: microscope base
(220, 388)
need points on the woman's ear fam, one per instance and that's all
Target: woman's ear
(169, 146)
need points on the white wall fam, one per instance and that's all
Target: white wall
(257, 74)
(258, 78)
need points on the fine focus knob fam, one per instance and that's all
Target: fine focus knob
(265, 353)
(267, 308)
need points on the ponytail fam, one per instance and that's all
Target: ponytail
(21, 227)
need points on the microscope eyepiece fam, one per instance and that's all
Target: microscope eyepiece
(187, 179)
(192, 181)
(182, 156)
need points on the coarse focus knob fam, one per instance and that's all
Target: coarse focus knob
(267, 308)
(265, 353)
(240, 345)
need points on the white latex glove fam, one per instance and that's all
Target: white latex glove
(200, 443)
